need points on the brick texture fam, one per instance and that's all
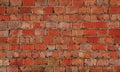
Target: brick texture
(59, 35)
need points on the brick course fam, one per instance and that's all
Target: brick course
(59, 35)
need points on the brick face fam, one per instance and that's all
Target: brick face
(59, 35)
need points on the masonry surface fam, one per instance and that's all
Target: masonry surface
(59, 35)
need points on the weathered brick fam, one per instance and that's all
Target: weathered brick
(3, 33)
(37, 10)
(4, 2)
(77, 62)
(15, 2)
(90, 62)
(40, 2)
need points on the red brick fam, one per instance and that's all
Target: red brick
(13, 40)
(27, 47)
(117, 68)
(101, 24)
(2, 10)
(89, 25)
(65, 2)
(66, 62)
(48, 40)
(2, 54)
(71, 10)
(117, 39)
(114, 10)
(84, 10)
(59, 40)
(53, 2)
(108, 40)
(86, 17)
(77, 2)
(55, 55)
(66, 33)
(93, 39)
(28, 61)
(48, 10)
(68, 40)
(28, 32)
(114, 32)
(59, 10)
(97, 10)
(102, 33)
(26, 18)
(73, 47)
(98, 47)
(53, 32)
(14, 47)
(16, 61)
(28, 2)
(6, 18)
(15, 33)
(90, 32)
(90, 2)
(3, 40)
(88, 55)
(114, 55)
(112, 47)
(24, 10)
(15, 2)
(41, 47)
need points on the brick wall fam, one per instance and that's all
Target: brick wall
(59, 35)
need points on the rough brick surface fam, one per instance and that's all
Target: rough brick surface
(59, 35)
